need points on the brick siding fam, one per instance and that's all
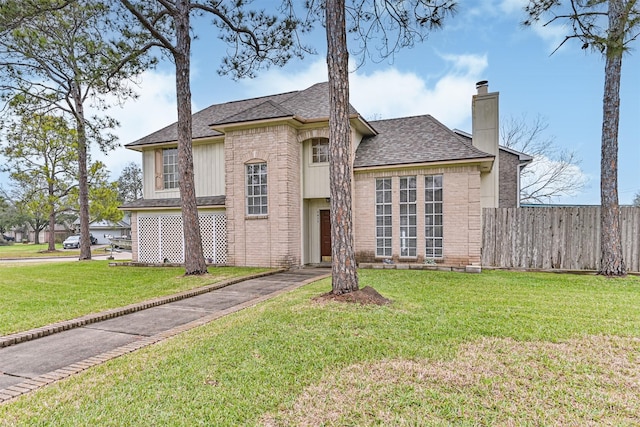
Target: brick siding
(508, 189)
(461, 208)
(273, 240)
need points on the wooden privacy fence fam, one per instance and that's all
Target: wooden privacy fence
(554, 237)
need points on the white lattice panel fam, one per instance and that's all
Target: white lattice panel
(207, 230)
(161, 238)
(148, 242)
(220, 238)
(171, 240)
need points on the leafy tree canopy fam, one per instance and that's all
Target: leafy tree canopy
(130, 183)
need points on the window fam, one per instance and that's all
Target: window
(319, 150)
(408, 216)
(433, 215)
(383, 217)
(257, 189)
(170, 168)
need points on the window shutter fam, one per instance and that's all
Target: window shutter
(159, 166)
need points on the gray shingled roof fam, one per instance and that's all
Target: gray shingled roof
(204, 118)
(266, 110)
(172, 203)
(419, 139)
(311, 103)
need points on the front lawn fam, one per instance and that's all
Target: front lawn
(31, 250)
(40, 294)
(497, 348)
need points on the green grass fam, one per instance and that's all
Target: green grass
(31, 250)
(40, 294)
(501, 348)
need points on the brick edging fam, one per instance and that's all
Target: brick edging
(43, 331)
(35, 383)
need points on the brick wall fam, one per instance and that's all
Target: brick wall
(273, 240)
(461, 207)
(508, 190)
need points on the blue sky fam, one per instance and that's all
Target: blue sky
(484, 41)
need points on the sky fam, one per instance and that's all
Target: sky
(483, 41)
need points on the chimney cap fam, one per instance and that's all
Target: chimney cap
(482, 83)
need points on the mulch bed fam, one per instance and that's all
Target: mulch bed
(364, 296)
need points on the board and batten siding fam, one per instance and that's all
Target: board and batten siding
(554, 237)
(316, 175)
(208, 167)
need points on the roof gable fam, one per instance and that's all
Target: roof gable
(266, 110)
(202, 120)
(310, 103)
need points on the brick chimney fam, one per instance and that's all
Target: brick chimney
(485, 136)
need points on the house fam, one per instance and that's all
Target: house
(103, 230)
(262, 184)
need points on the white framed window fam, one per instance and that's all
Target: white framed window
(170, 168)
(257, 189)
(319, 150)
(384, 226)
(408, 217)
(433, 215)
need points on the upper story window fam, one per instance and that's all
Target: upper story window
(257, 189)
(319, 150)
(170, 168)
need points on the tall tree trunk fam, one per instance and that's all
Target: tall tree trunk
(83, 184)
(52, 220)
(611, 262)
(343, 265)
(194, 261)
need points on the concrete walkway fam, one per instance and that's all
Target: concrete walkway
(48, 354)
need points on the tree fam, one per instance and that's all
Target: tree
(256, 39)
(9, 215)
(636, 200)
(66, 58)
(343, 265)
(18, 12)
(41, 151)
(553, 173)
(607, 27)
(130, 183)
(401, 24)
(103, 195)
(33, 205)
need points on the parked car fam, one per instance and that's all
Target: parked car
(73, 242)
(8, 238)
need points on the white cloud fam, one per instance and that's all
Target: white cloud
(494, 8)
(390, 93)
(512, 6)
(565, 181)
(278, 80)
(154, 109)
(552, 34)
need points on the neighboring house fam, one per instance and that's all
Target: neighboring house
(104, 230)
(262, 184)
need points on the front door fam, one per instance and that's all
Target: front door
(325, 236)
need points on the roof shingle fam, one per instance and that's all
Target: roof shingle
(407, 140)
(172, 203)
(311, 103)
